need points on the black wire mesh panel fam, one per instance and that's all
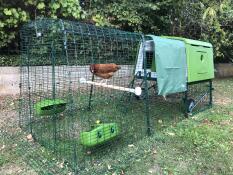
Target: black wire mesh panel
(67, 103)
(198, 96)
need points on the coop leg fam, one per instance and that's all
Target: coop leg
(185, 99)
(131, 85)
(154, 86)
(132, 82)
(210, 92)
(148, 121)
(91, 92)
(147, 112)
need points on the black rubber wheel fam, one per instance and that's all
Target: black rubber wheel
(190, 103)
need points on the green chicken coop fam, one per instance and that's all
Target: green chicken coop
(199, 56)
(69, 109)
(178, 65)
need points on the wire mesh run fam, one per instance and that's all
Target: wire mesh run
(71, 116)
(79, 93)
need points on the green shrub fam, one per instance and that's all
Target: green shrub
(9, 60)
(206, 20)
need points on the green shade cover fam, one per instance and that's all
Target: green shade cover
(101, 134)
(50, 107)
(171, 66)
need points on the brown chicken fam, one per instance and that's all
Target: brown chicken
(104, 71)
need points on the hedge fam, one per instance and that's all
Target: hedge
(10, 60)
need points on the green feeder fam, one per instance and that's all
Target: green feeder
(50, 107)
(101, 134)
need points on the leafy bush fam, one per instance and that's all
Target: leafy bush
(9, 60)
(14, 13)
(203, 20)
(206, 20)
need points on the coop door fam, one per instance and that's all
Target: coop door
(200, 63)
(150, 61)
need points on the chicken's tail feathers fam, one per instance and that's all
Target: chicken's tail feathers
(118, 67)
(92, 68)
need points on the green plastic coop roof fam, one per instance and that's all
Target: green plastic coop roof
(171, 66)
(190, 41)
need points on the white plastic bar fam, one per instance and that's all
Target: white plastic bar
(137, 91)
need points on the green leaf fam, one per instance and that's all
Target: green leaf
(1, 24)
(41, 6)
(24, 16)
(205, 13)
(83, 16)
(15, 13)
(56, 6)
(7, 12)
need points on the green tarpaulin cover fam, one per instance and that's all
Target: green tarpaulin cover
(171, 69)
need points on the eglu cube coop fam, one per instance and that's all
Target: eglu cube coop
(179, 65)
(85, 88)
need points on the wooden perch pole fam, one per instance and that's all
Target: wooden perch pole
(137, 91)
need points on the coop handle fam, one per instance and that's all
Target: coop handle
(137, 91)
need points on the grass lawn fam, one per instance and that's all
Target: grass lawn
(201, 144)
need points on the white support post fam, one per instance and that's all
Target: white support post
(137, 91)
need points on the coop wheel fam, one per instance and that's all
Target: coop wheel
(189, 105)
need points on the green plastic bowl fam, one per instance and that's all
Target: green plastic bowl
(50, 107)
(99, 135)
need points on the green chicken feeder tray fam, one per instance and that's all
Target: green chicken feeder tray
(101, 134)
(50, 107)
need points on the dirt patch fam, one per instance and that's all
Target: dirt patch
(13, 169)
(207, 122)
(8, 119)
(223, 101)
(231, 113)
(155, 170)
(18, 153)
(8, 132)
(222, 94)
(8, 107)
